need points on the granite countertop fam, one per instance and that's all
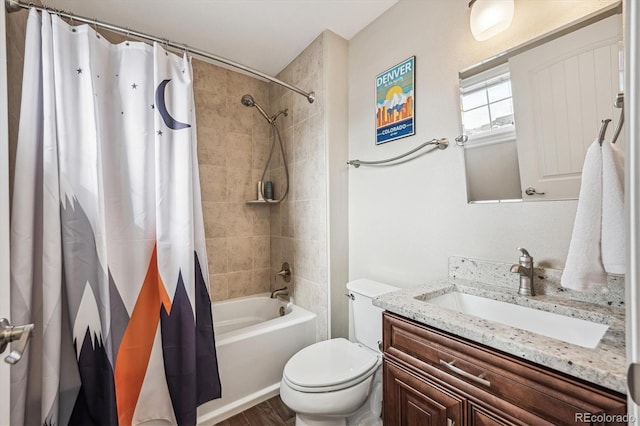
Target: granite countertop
(604, 365)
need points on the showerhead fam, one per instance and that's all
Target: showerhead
(247, 100)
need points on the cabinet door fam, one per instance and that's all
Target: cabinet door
(412, 401)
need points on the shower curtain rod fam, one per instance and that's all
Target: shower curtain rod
(15, 5)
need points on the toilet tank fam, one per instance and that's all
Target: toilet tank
(367, 319)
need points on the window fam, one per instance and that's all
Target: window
(487, 107)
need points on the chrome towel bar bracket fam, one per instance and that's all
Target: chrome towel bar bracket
(442, 143)
(618, 103)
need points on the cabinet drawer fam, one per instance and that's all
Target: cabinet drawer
(478, 371)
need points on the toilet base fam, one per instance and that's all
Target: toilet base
(368, 414)
(307, 420)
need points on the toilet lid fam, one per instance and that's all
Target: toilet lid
(329, 363)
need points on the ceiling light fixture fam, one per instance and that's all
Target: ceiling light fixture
(490, 17)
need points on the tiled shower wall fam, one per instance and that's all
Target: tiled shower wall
(299, 225)
(232, 149)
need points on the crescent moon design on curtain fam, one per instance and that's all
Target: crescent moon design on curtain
(171, 122)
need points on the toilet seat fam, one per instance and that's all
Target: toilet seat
(330, 365)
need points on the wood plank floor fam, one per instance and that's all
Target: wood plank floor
(272, 412)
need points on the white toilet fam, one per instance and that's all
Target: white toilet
(337, 381)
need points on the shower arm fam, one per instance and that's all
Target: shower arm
(15, 5)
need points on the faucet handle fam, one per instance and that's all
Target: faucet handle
(524, 252)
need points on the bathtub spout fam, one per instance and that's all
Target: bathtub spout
(284, 291)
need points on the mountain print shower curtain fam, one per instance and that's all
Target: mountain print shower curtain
(108, 252)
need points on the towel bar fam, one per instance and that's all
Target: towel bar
(442, 143)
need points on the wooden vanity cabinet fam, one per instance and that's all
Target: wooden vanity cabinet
(435, 378)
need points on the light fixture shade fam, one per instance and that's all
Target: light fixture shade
(490, 17)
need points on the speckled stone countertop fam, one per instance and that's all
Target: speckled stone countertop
(604, 365)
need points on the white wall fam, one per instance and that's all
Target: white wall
(406, 220)
(337, 106)
(5, 402)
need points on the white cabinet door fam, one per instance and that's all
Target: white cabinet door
(561, 92)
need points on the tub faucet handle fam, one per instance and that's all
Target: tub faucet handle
(285, 272)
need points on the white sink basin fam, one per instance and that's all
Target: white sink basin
(571, 330)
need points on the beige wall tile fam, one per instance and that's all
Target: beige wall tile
(239, 184)
(215, 219)
(275, 252)
(261, 227)
(211, 111)
(261, 248)
(219, 287)
(213, 183)
(260, 281)
(239, 284)
(287, 218)
(260, 92)
(209, 77)
(240, 84)
(217, 254)
(16, 26)
(239, 220)
(240, 254)
(306, 259)
(261, 149)
(275, 228)
(210, 154)
(240, 117)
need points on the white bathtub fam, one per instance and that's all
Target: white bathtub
(253, 344)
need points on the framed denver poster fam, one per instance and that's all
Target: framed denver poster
(395, 102)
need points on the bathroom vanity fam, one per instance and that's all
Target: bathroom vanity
(446, 366)
(436, 378)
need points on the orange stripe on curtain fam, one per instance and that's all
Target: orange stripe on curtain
(137, 342)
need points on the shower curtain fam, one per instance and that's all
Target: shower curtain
(107, 238)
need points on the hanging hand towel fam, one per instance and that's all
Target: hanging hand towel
(613, 225)
(584, 270)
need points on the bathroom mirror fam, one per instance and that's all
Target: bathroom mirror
(531, 112)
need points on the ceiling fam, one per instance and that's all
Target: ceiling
(263, 34)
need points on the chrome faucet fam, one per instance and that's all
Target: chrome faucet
(284, 291)
(525, 269)
(285, 273)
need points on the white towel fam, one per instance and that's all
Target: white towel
(613, 224)
(584, 269)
